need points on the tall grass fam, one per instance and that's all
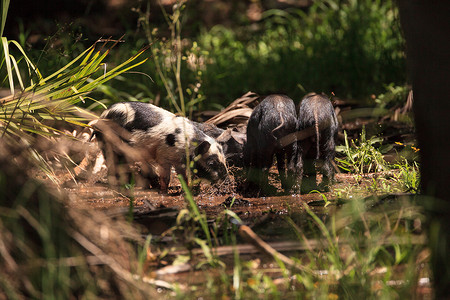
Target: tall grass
(50, 250)
(176, 63)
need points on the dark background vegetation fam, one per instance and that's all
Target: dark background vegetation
(353, 49)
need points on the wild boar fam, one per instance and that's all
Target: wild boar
(166, 140)
(316, 111)
(274, 118)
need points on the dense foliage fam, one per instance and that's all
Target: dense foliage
(351, 48)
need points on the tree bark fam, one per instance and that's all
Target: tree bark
(426, 26)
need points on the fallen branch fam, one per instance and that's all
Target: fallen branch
(287, 246)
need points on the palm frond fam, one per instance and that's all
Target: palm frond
(54, 97)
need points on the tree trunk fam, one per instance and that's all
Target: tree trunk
(426, 25)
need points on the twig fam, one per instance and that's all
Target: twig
(248, 248)
(173, 269)
(298, 136)
(292, 246)
(11, 264)
(160, 283)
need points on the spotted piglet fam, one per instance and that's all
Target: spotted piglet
(167, 139)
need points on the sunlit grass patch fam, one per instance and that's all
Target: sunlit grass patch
(361, 156)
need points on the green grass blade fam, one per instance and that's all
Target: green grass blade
(194, 208)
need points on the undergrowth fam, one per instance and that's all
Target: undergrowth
(364, 158)
(361, 156)
(351, 48)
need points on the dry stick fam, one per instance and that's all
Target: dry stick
(11, 264)
(242, 101)
(297, 136)
(252, 237)
(173, 269)
(421, 282)
(250, 248)
(302, 134)
(400, 215)
(105, 259)
(82, 166)
(226, 116)
(291, 246)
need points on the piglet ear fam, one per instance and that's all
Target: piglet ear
(202, 148)
(224, 136)
(239, 137)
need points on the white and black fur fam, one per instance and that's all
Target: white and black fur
(274, 118)
(165, 138)
(316, 111)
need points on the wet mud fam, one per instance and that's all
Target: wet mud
(208, 198)
(263, 213)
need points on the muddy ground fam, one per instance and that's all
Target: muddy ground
(102, 196)
(211, 199)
